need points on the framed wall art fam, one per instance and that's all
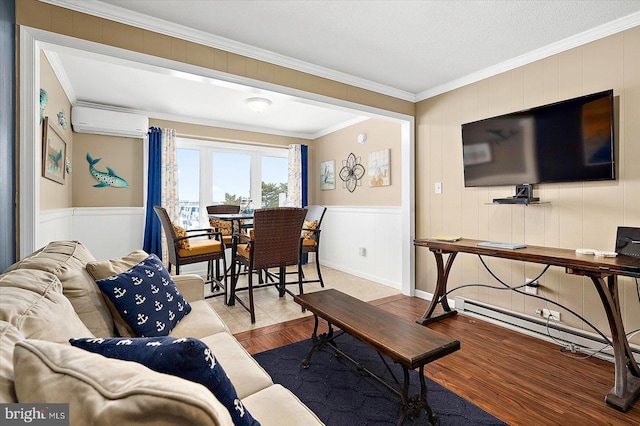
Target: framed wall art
(379, 168)
(54, 152)
(327, 175)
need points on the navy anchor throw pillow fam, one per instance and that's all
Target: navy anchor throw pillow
(189, 358)
(146, 298)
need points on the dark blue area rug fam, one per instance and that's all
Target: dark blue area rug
(341, 395)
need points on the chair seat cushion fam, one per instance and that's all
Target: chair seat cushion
(146, 298)
(201, 247)
(243, 250)
(309, 242)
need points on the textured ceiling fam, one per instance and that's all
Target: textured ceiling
(413, 46)
(408, 49)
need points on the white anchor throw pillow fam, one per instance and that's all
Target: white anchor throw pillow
(146, 298)
(188, 358)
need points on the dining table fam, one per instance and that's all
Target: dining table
(238, 220)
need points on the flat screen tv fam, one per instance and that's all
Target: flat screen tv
(567, 141)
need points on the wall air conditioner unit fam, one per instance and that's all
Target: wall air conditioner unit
(110, 123)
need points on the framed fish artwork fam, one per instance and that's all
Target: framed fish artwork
(54, 152)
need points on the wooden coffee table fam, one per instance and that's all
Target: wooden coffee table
(404, 342)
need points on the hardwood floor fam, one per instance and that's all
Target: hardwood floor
(517, 378)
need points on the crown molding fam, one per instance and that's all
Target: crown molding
(577, 40)
(61, 75)
(118, 14)
(139, 20)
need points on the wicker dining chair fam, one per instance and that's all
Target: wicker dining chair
(274, 242)
(224, 226)
(187, 246)
(311, 238)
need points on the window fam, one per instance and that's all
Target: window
(222, 173)
(231, 177)
(275, 177)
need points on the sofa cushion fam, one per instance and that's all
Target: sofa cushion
(104, 391)
(187, 358)
(146, 297)
(9, 336)
(290, 412)
(244, 372)
(32, 301)
(67, 260)
(107, 268)
(202, 321)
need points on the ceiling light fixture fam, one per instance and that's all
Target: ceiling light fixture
(258, 104)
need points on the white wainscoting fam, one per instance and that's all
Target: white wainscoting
(345, 230)
(54, 225)
(107, 232)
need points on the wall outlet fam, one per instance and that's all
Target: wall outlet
(362, 251)
(552, 315)
(438, 187)
(530, 290)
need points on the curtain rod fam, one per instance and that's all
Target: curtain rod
(212, 139)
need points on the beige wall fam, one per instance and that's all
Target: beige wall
(381, 134)
(578, 214)
(123, 155)
(52, 194)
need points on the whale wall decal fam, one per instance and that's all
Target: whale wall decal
(105, 179)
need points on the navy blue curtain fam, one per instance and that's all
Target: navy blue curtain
(304, 156)
(152, 227)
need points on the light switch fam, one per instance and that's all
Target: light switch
(438, 187)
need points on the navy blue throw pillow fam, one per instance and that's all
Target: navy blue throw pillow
(146, 298)
(188, 358)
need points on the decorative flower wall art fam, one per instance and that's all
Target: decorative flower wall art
(352, 172)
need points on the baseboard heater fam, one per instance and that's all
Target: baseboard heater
(579, 340)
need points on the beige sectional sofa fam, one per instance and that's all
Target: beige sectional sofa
(49, 297)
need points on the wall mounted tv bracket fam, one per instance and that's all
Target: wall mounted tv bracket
(524, 195)
(525, 191)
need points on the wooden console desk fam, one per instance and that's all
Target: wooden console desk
(603, 271)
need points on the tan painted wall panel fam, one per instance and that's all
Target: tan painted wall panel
(381, 134)
(123, 155)
(52, 194)
(583, 214)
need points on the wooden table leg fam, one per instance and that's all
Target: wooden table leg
(441, 288)
(627, 373)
